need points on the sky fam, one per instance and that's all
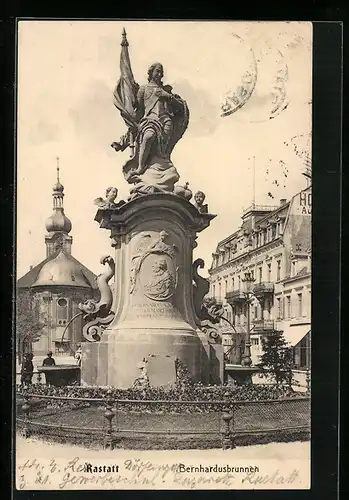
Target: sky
(67, 71)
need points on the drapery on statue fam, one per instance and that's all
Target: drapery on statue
(156, 120)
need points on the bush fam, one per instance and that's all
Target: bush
(192, 392)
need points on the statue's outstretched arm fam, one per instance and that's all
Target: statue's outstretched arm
(124, 142)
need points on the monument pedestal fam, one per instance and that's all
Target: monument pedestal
(153, 237)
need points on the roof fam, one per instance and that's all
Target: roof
(86, 278)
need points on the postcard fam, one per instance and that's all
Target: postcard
(164, 255)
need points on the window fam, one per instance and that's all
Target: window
(269, 272)
(62, 348)
(288, 306)
(293, 271)
(252, 274)
(255, 312)
(62, 311)
(278, 270)
(219, 290)
(255, 341)
(239, 282)
(300, 305)
(269, 307)
(226, 287)
(233, 283)
(273, 231)
(260, 270)
(279, 308)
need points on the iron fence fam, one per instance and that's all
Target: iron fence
(222, 421)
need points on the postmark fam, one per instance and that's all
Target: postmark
(263, 91)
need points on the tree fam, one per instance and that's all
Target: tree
(30, 322)
(277, 358)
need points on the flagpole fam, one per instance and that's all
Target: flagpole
(124, 44)
(253, 183)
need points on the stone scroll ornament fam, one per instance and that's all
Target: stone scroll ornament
(208, 312)
(98, 314)
(156, 119)
(162, 275)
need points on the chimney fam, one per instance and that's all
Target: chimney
(283, 201)
(30, 268)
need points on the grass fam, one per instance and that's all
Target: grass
(172, 431)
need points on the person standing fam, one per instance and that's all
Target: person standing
(27, 369)
(49, 361)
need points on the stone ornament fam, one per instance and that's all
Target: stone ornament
(201, 287)
(98, 314)
(199, 199)
(183, 191)
(154, 264)
(111, 194)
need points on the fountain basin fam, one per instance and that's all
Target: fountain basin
(240, 374)
(59, 375)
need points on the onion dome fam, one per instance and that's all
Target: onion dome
(58, 187)
(58, 220)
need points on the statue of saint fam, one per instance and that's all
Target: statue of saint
(156, 120)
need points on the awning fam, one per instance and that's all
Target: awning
(295, 333)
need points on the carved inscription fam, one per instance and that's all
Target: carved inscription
(154, 310)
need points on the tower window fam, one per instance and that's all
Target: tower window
(62, 311)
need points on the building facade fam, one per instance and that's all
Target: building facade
(57, 285)
(273, 244)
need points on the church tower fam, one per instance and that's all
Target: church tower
(57, 285)
(58, 226)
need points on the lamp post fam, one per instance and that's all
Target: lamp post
(248, 280)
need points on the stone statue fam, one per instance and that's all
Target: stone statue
(99, 314)
(156, 120)
(111, 194)
(199, 199)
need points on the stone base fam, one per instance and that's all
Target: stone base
(213, 365)
(94, 363)
(153, 237)
(128, 349)
(117, 359)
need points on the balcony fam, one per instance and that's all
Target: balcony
(263, 288)
(235, 296)
(263, 325)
